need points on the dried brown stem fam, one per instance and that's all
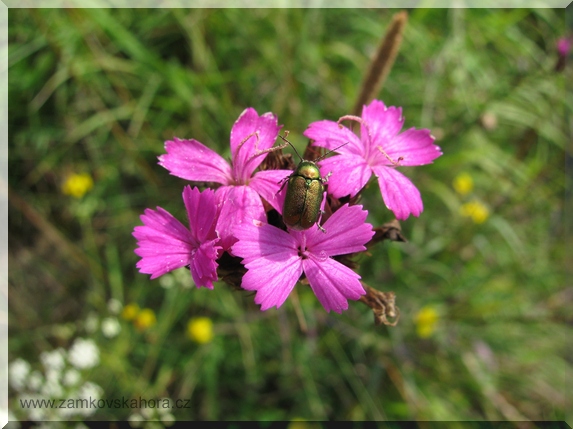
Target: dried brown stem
(389, 231)
(382, 304)
(382, 62)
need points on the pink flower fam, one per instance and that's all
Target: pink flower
(252, 137)
(379, 150)
(164, 244)
(564, 46)
(275, 259)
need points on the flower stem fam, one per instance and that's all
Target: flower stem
(382, 62)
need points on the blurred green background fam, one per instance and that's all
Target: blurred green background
(482, 284)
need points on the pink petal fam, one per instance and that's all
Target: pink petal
(330, 135)
(164, 244)
(271, 257)
(350, 173)
(399, 194)
(244, 148)
(346, 232)
(201, 212)
(332, 283)
(194, 161)
(273, 278)
(239, 204)
(261, 240)
(204, 265)
(415, 147)
(267, 183)
(383, 123)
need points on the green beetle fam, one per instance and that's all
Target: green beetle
(305, 189)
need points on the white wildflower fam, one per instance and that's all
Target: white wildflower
(147, 413)
(91, 323)
(135, 420)
(166, 281)
(34, 413)
(84, 354)
(182, 277)
(18, 371)
(110, 327)
(35, 381)
(54, 360)
(89, 391)
(67, 412)
(71, 377)
(114, 306)
(168, 419)
(53, 376)
(52, 388)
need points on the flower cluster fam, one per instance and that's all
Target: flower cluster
(240, 220)
(474, 209)
(142, 318)
(64, 374)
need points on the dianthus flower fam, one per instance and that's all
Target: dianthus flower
(252, 137)
(275, 259)
(165, 244)
(564, 46)
(379, 149)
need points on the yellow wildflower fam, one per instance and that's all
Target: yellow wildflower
(463, 184)
(76, 185)
(145, 319)
(130, 311)
(200, 330)
(476, 210)
(426, 321)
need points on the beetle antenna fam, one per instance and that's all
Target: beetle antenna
(285, 139)
(330, 151)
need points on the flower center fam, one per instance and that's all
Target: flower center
(367, 147)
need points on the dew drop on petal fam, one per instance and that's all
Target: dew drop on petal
(322, 256)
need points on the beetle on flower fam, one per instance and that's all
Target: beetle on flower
(252, 138)
(231, 235)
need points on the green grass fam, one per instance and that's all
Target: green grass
(99, 91)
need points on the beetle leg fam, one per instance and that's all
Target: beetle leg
(318, 219)
(282, 182)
